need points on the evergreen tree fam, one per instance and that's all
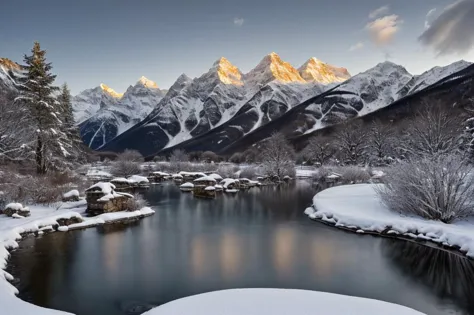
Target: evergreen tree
(38, 92)
(69, 127)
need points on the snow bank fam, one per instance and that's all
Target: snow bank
(205, 179)
(104, 187)
(43, 219)
(187, 185)
(358, 208)
(217, 177)
(277, 302)
(14, 206)
(138, 179)
(72, 193)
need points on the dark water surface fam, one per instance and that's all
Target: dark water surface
(255, 239)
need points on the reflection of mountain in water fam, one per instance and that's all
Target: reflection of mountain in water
(449, 275)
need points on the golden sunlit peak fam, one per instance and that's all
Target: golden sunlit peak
(9, 64)
(147, 83)
(314, 70)
(110, 91)
(227, 72)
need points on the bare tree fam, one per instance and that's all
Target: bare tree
(351, 139)
(237, 158)
(435, 131)
(438, 188)
(278, 156)
(178, 158)
(381, 142)
(319, 150)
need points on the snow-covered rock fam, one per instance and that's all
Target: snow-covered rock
(277, 302)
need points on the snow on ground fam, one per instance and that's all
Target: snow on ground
(42, 218)
(277, 302)
(358, 207)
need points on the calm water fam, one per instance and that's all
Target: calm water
(259, 238)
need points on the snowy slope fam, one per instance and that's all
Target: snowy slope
(211, 100)
(88, 102)
(433, 75)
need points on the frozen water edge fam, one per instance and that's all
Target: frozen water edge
(277, 302)
(358, 208)
(12, 230)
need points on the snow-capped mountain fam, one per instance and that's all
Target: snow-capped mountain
(103, 114)
(9, 71)
(88, 102)
(365, 94)
(205, 103)
(433, 75)
(318, 71)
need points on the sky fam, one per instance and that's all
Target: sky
(116, 42)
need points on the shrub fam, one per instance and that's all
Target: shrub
(237, 158)
(438, 189)
(249, 172)
(137, 203)
(125, 168)
(130, 156)
(354, 174)
(209, 156)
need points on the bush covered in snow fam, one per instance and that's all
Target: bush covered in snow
(249, 172)
(125, 168)
(439, 188)
(137, 203)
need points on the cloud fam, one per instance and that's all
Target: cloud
(239, 21)
(383, 29)
(379, 12)
(452, 32)
(357, 46)
(429, 18)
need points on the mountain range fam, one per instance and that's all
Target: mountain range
(225, 110)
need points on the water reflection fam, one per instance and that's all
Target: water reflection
(449, 275)
(257, 238)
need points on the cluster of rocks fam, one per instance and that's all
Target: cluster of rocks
(16, 210)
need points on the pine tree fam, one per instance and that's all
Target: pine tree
(69, 127)
(38, 93)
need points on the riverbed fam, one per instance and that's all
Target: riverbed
(255, 239)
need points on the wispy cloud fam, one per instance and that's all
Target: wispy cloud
(452, 32)
(429, 18)
(379, 12)
(357, 46)
(239, 21)
(383, 29)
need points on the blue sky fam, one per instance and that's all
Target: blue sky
(116, 42)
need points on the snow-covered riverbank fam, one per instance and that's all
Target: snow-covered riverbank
(45, 219)
(277, 302)
(358, 208)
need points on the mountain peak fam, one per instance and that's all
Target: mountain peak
(110, 91)
(9, 64)
(315, 70)
(147, 83)
(271, 68)
(227, 72)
